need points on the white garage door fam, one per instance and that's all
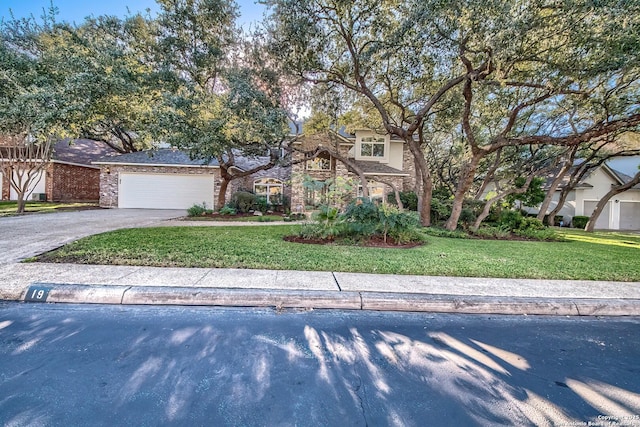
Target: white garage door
(164, 191)
(630, 215)
(602, 223)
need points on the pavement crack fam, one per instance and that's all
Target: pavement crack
(123, 294)
(577, 308)
(336, 280)
(361, 301)
(360, 398)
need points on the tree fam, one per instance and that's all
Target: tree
(28, 116)
(24, 163)
(98, 76)
(218, 102)
(502, 73)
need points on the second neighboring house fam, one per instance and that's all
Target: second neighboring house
(622, 212)
(69, 175)
(169, 179)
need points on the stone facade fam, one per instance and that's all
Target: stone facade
(109, 179)
(338, 169)
(246, 183)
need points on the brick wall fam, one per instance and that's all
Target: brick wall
(66, 183)
(109, 175)
(6, 186)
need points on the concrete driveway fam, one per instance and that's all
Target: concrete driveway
(29, 235)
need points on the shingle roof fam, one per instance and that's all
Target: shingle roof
(375, 168)
(162, 156)
(81, 151)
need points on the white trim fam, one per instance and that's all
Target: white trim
(156, 165)
(60, 162)
(386, 174)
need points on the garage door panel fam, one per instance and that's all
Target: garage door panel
(164, 191)
(602, 223)
(630, 215)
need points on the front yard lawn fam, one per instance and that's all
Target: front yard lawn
(594, 256)
(8, 208)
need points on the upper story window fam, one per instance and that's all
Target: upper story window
(320, 163)
(372, 146)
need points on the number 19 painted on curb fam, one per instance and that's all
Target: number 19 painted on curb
(37, 294)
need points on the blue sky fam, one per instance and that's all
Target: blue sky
(77, 10)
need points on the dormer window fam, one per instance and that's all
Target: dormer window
(372, 146)
(320, 163)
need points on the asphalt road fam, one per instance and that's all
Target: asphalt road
(66, 365)
(29, 235)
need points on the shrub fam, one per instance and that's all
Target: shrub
(440, 209)
(467, 216)
(262, 204)
(510, 220)
(443, 232)
(227, 210)
(409, 200)
(579, 221)
(544, 234)
(395, 224)
(243, 201)
(197, 210)
(492, 232)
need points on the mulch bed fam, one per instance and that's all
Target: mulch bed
(372, 242)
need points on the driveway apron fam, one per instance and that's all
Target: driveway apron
(29, 235)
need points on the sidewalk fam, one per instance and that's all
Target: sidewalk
(73, 283)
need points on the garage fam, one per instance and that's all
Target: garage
(602, 223)
(164, 191)
(629, 215)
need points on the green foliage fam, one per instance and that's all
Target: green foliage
(514, 221)
(543, 234)
(198, 210)
(409, 200)
(467, 217)
(532, 197)
(243, 201)
(440, 209)
(363, 219)
(443, 232)
(579, 221)
(262, 204)
(227, 210)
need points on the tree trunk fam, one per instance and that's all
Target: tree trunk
(422, 172)
(222, 195)
(461, 192)
(591, 224)
(21, 203)
(549, 197)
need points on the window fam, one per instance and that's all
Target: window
(320, 163)
(270, 188)
(376, 191)
(372, 146)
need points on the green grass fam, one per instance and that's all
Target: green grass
(233, 218)
(597, 256)
(8, 208)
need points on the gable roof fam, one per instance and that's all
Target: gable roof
(80, 152)
(158, 157)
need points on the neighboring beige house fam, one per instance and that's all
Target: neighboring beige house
(169, 179)
(622, 211)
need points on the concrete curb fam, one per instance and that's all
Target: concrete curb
(312, 299)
